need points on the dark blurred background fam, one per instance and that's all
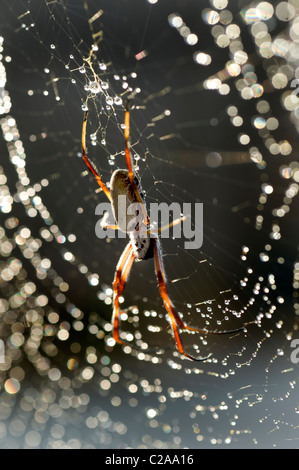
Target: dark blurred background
(63, 384)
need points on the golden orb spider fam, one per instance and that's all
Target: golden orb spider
(125, 183)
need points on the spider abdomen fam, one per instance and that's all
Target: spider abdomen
(124, 200)
(142, 247)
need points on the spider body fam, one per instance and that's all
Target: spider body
(127, 211)
(132, 218)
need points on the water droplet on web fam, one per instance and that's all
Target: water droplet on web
(109, 100)
(94, 87)
(105, 85)
(82, 69)
(118, 100)
(84, 107)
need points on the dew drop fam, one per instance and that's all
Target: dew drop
(117, 100)
(94, 87)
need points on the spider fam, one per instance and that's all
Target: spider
(141, 246)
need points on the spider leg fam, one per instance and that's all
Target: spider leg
(121, 275)
(129, 161)
(127, 149)
(165, 227)
(110, 226)
(88, 163)
(104, 224)
(175, 321)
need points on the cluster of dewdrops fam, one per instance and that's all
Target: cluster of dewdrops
(279, 54)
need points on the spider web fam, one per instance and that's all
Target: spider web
(214, 119)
